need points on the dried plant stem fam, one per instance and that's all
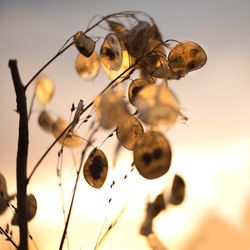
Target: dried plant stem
(74, 190)
(68, 127)
(130, 68)
(22, 155)
(8, 237)
(47, 64)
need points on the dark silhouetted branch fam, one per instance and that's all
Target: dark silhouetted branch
(22, 155)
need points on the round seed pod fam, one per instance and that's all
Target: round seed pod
(44, 89)
(152, 155)
(128, 131)
(157, 105)
(84, 44)
(111, 52)
(68, 139)
(87, 67)
(95, 169)
(110, 108)
(31, 210)
(45, 121)
(127, 61)
(135, 87)
(177, 191)
(186, 57)
(155, 64)
(137, 39)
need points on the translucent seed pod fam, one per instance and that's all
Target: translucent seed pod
(110, 108)
(152, 155)
(156, 64)
(68, 139)
(95, 169)
(128, 131)
(162, 70)
(127, 61)
(3, 194)
(186, 57)
(84, 44)
(87, 67)
(177, 191)
(31, 210)
(44, 89)
(118, 28)
(111, 52)
(137, 39)
(135, 87)
(45, 121)
(157, 105)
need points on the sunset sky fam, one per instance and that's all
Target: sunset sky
(211, 150)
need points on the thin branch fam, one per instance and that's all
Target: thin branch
(22, 155)
(68, 127)
(8, 237)
(74, 191)
(130, 68)
(47, 64)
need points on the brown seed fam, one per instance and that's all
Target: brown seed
(95, 169)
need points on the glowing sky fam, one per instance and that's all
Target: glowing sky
(211, 151)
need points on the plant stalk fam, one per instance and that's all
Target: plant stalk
(22, 155)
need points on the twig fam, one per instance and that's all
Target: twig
(22, 155)
(49, 62)
(74, 190)
(8, 237)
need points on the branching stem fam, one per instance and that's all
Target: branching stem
(22, 155)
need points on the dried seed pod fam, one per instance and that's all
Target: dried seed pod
(135, 87)
(44, 89)
(127, 61)
(88, 67)
(3, 194)
(157, 105)
(156, 64)
(95, 169)
(31, 210)
(161, 69)
(68, 139)
(128, 131)
(45, 121)
(154, 33)
(111, 52)
(178, 190)
(186, 57)
(117, 28)
(152, 155)
(137, 39)
(110, 108)
(84, 44)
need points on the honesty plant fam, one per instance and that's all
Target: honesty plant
(137, 105)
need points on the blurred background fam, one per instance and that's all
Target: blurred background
(211, 151)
